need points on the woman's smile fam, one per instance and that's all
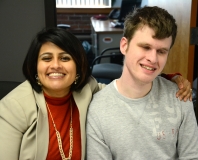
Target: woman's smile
(56, 69)
(56, 75)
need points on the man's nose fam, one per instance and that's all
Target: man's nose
(152, 56)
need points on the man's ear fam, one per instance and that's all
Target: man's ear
(123, 45)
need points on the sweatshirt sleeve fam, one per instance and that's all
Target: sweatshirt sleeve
(188, 133)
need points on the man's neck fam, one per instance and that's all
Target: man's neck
(132, 89)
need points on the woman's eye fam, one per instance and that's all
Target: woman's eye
(46, 58)
(65, 59)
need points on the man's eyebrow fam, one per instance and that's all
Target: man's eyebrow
(143, 44)
(147, 44)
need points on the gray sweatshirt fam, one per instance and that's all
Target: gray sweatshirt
(156, 127)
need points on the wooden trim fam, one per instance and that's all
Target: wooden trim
(193, 22)
(50, 13)
(84, 10)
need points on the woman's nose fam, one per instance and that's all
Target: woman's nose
(55, 63)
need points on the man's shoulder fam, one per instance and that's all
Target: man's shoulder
(165, 91)
(103, 97)
(105, 92)
(165, 84)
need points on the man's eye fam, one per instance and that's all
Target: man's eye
(146, 47)
(161, 52)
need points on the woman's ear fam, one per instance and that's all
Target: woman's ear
(123, 45)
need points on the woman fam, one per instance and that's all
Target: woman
(42, 117)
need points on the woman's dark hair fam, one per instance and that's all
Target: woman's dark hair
(67, 42)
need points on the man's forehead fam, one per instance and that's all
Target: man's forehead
(145, 36)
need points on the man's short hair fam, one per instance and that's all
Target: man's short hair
(158, 19)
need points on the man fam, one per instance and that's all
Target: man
(137, 116)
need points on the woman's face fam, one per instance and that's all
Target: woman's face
(56, 70)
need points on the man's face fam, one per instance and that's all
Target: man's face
(145, 57)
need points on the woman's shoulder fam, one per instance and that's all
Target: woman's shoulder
(22, 99)
(19, 107)
(23, 95)
(91, 87)
(20, 91)
(94, 85)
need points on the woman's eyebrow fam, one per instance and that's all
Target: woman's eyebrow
(61, 53)
(45, 53)
(50, 53)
